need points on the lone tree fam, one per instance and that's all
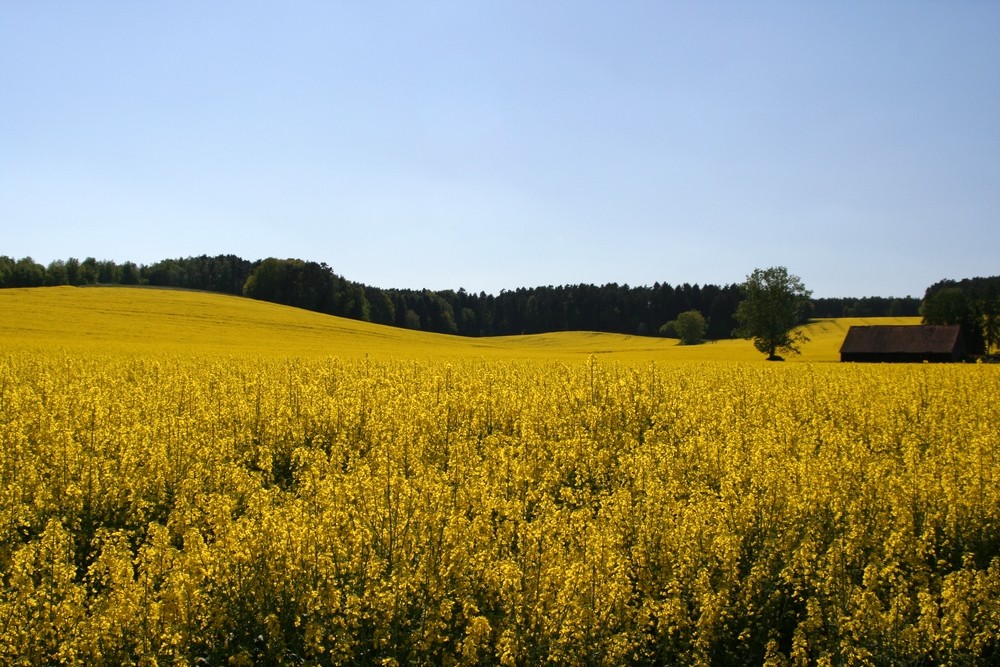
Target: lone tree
(691, 327)
(773, 304)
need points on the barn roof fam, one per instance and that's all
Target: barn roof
(922, 339)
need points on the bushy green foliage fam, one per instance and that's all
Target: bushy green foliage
(691, 327)
(774, 304)
(972, 303)
(669, 329)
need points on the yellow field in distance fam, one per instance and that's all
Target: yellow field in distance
(116, 320)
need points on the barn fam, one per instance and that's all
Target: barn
(904, 344)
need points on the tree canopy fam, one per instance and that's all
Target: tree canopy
(972, 303)
(691, 327)
(774, 304)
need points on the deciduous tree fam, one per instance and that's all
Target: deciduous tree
(691, 326)
(774, 304)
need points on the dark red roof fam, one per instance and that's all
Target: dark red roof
(918, 339)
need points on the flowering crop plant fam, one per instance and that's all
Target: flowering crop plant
(194, 508)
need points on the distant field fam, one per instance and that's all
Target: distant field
(121, 319)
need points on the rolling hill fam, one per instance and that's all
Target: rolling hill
(122, 320)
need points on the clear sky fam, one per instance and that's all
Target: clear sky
(500, 144)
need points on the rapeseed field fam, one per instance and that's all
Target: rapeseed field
(126, 320)
(191, 479)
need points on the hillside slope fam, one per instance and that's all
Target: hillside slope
(117, 320)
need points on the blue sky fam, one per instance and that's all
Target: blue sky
(500, 144)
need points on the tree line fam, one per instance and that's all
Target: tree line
(612, 308)
(973, 303)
